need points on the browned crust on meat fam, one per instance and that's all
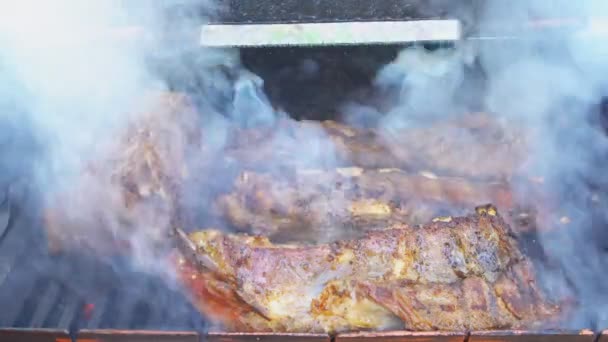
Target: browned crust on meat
(467, 273)
(475, 145)
(348, 200)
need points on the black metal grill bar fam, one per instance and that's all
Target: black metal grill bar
(69, 312)
(155, 314)
(16, 301)
(125, 313)
(10, 249)
(45, 305)
(270, 11)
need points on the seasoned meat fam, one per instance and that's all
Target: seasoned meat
(471, 146)
(165, 171)
(451, 274)
(321, 206)
(475, 146)
(131, 189)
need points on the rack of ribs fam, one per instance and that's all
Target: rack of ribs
(164, 172)
(320, 206)
(473, 146)
(131, 189)
(457, 273)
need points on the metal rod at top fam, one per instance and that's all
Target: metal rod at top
(323, 34)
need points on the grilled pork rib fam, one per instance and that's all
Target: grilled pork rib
(162, 172)
(452, 274)
(133, 187)
(320, 206)
(475, 145)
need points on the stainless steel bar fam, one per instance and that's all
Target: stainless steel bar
(329, 34)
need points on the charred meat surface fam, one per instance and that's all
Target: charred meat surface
(451, 274)
(320, 206)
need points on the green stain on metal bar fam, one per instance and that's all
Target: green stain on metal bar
(311, 37)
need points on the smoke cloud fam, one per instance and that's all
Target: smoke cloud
(550, 81)
(553, 83)
(75, 82)
(68, 80)
(73, 76)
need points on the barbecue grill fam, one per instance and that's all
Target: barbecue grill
(74, 297)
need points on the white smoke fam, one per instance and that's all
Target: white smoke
(73, 75)
(78, 66)
(550, 79)
(78, 74)
(80, 71)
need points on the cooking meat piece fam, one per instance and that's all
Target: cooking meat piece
(322, 206)
(451, 274)
(286, 145)
(132, 187)
(475, 145)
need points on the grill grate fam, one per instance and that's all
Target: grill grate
(56, 299)
(74, 292)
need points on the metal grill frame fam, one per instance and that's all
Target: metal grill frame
(50, 335)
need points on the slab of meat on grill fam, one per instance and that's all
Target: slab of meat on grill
(162, 172)
(472, 146)
(131, 189)
(322, 206)
(453, 274)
